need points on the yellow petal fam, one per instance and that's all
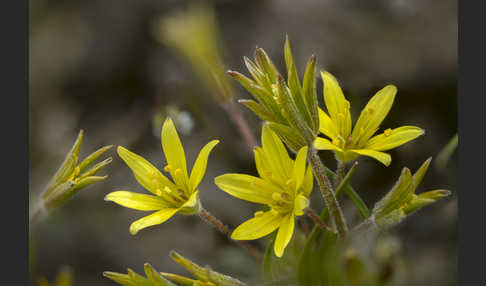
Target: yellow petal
(300, 203)
(285, 232)
(145, 173)
(247, 187)
(326, 126)
(153, 219)
(258, 226)
(174, 154)
(308, 183)
(336, 104)
(137, 201)
(199, 168)
(394, 138)
(277, 155)
(298, 172)
(262, 164)
(373, 114)
(384, 158)
(324, 144)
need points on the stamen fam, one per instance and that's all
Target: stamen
(258, 213)
(276, 196)
(274, 212)
(387, 132)
(158, 192)
(346, 104)
(167, 168)
(285, 196)
(335, 141)
(167, 190)
(290, 181)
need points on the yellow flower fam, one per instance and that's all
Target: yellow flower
(169, 197)
(284, 185)
(349, 143)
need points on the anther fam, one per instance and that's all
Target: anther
(276, 196)
(158, 192)
(167, 190)
(289, 182)
(387, 132)
(335, 141)
(346, 104)
(258, 213)
(167, 168)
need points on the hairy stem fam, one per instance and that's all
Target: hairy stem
(341, 168)
(327, 191)
(208, 217)
(236, 116)
(315, 217)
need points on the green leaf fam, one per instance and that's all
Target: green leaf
(396, 197)
(288, 135)
(155, 277)
(310, 94)
(258, 109)
(267, 271)
(92, 157)
(265, 64)
(446, 152)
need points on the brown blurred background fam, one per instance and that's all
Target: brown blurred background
(95, 65)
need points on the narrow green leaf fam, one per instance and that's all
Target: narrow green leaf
(266, 64)
(155, 277)
(267, 273)
(92, 157)
(258, 109)
(310, 94)
(288, 135)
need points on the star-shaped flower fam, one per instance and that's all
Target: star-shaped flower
(348, 143)
(284, 185)
(169, 197)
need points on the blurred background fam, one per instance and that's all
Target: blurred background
(100, 66)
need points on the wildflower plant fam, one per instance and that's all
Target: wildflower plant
(328, 253)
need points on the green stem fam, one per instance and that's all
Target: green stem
(341, 168)
(327, 192)
(350, 192)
